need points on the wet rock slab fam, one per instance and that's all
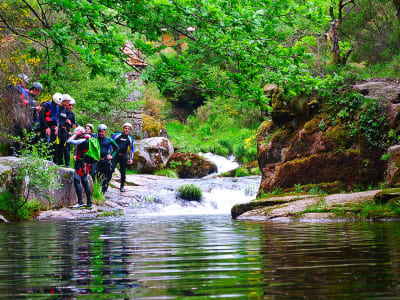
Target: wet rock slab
(294, 207)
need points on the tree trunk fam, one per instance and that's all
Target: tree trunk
(333, 42)
(397, 6)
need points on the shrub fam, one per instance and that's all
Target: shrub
(167, 172)
(190, 192)
(97, 195)
(9, 207)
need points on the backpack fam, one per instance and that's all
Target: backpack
(93, 154)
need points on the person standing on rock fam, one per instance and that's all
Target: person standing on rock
(108, 149)
(73, 125)
(48, 122)
(81, 140)
(125, 153)
(63, 123)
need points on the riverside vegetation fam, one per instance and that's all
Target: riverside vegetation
(229, 69)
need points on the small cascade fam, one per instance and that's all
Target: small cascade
(151, 195)
(223, 164)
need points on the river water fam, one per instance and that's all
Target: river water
(174, 253)
(199, 257)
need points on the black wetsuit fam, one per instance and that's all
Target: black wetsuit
(103, 169)
(125, 153)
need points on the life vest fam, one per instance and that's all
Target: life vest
(52, 113)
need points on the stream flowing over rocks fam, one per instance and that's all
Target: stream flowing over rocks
(157, 195)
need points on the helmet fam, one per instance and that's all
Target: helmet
(66, 97)
(79, 130)
(24, 77)
(127, 124)
(90, 126)
(72, 101)
(37, 86)
(57, 98)
(102, 127)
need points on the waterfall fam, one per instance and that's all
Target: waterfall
(157, 195)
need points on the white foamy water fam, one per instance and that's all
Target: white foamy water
(215, 202)
(223, 164)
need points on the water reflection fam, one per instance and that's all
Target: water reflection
(199, 257)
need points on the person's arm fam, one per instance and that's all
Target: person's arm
(114, 148)
(132, 149)
(72, 140)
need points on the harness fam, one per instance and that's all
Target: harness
(52, 113)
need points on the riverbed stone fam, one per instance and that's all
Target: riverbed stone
(152, 154)
(191, 165)
(64, 196)
(293, 207)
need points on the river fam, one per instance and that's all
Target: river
(176, 253)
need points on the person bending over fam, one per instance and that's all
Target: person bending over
(81, 141)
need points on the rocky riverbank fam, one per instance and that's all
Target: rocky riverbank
(372, 205)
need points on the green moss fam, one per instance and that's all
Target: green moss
(264, 131)
(151, 126)
(340, 136)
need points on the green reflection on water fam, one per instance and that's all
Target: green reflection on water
(199, 257)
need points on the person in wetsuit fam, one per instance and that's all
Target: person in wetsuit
(63, 128)
(71, 117)
(108, 149)
(125, 153)
(82, 169)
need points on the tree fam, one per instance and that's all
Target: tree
(333, 38)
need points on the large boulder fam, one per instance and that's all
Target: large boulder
(304, 143)
(152, 154)
(393, 169)
(64, 196)
(191, 165)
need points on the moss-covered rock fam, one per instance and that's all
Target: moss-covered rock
(349, 167)
(191, 165)
(152, 128)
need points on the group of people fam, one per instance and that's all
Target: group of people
(52, 123)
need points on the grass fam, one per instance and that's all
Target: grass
(167, 172)
(190, 192)
(97, 196)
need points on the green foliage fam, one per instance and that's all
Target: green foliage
(33, 174)
(373, 124)
(167, 172)
(97, 196)
(14, 209)
(316, 191)
(190, 192)
(113, 213)
(298, 188)
(359, 114)
(217, 127)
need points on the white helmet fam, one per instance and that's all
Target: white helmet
(66, 97)
(57, 98)
(127, 125)
(72, 101)
(102, 127)
(79, 130)
(24, 77)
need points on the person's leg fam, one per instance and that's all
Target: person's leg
(62, 137)
(67, 155)
(78, 188)
(54, 146)
(85, 184)
(122, 164)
